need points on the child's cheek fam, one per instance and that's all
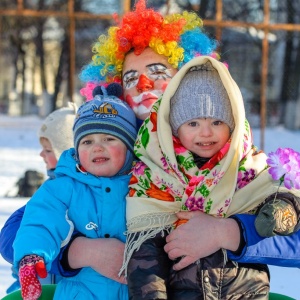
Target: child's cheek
(52, 161)
(84, 158)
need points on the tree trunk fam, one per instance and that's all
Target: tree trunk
(287, 77)
(60, 71)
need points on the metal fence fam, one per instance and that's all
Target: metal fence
(45, 43)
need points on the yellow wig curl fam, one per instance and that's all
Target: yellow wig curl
(179, 37)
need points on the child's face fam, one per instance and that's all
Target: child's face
(102, 154)
(47, 154)
(204, 137)
(145, 77)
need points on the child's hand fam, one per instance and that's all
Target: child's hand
(31, 266)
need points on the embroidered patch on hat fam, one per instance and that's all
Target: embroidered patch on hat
(106, 110)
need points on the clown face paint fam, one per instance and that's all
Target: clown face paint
(145, 77)
(142, 104)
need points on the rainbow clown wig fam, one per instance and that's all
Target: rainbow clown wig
(179, 37)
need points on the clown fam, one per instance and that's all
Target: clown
(144, 51)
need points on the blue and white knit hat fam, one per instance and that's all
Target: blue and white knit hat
(109, 115)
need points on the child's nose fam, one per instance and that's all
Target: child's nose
(144, 84)
(205, 131)
(98, 147)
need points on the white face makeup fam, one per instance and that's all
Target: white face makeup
(154, 72)
(145, 78)
(142, 104)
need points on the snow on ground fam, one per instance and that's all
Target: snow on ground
(19, 151)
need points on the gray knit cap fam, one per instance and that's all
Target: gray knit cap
(200, 94)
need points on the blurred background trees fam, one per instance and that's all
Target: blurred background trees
(45, 43)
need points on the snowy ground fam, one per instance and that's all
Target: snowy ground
(19, 151)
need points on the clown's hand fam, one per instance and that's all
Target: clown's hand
(276, 218)
(31, 266)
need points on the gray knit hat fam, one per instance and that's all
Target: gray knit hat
(57, 128)
(200, 94)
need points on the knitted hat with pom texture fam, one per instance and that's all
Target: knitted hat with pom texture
(106, 114)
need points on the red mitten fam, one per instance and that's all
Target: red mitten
(31, 266)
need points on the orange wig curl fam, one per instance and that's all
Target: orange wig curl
(179, 37)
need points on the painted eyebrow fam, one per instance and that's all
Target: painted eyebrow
(147, 66)
(155, 64)
(129, 71)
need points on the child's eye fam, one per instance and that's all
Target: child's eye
(218, 122)
(86, 142)
(193, 124)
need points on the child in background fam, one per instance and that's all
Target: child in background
(87, 195)
(55, 136)
(196, 154)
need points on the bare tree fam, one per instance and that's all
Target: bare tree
(291, 77)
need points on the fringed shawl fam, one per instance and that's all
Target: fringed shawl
(166, 179)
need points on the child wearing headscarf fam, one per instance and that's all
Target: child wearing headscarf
(196, 153)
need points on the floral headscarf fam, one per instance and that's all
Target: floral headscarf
(166, 179)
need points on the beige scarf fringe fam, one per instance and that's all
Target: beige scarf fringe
(155, 223)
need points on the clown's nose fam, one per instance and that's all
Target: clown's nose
(145, 84)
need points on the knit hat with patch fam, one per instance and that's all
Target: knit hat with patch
(200, 94)
(109, 115)
(57, 128)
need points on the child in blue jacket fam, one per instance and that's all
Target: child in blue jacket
(53, 144)
(87, 195)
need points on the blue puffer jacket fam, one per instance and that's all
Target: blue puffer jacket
(8, 234)
(282, 251)
(94, 206)
(7, 237)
